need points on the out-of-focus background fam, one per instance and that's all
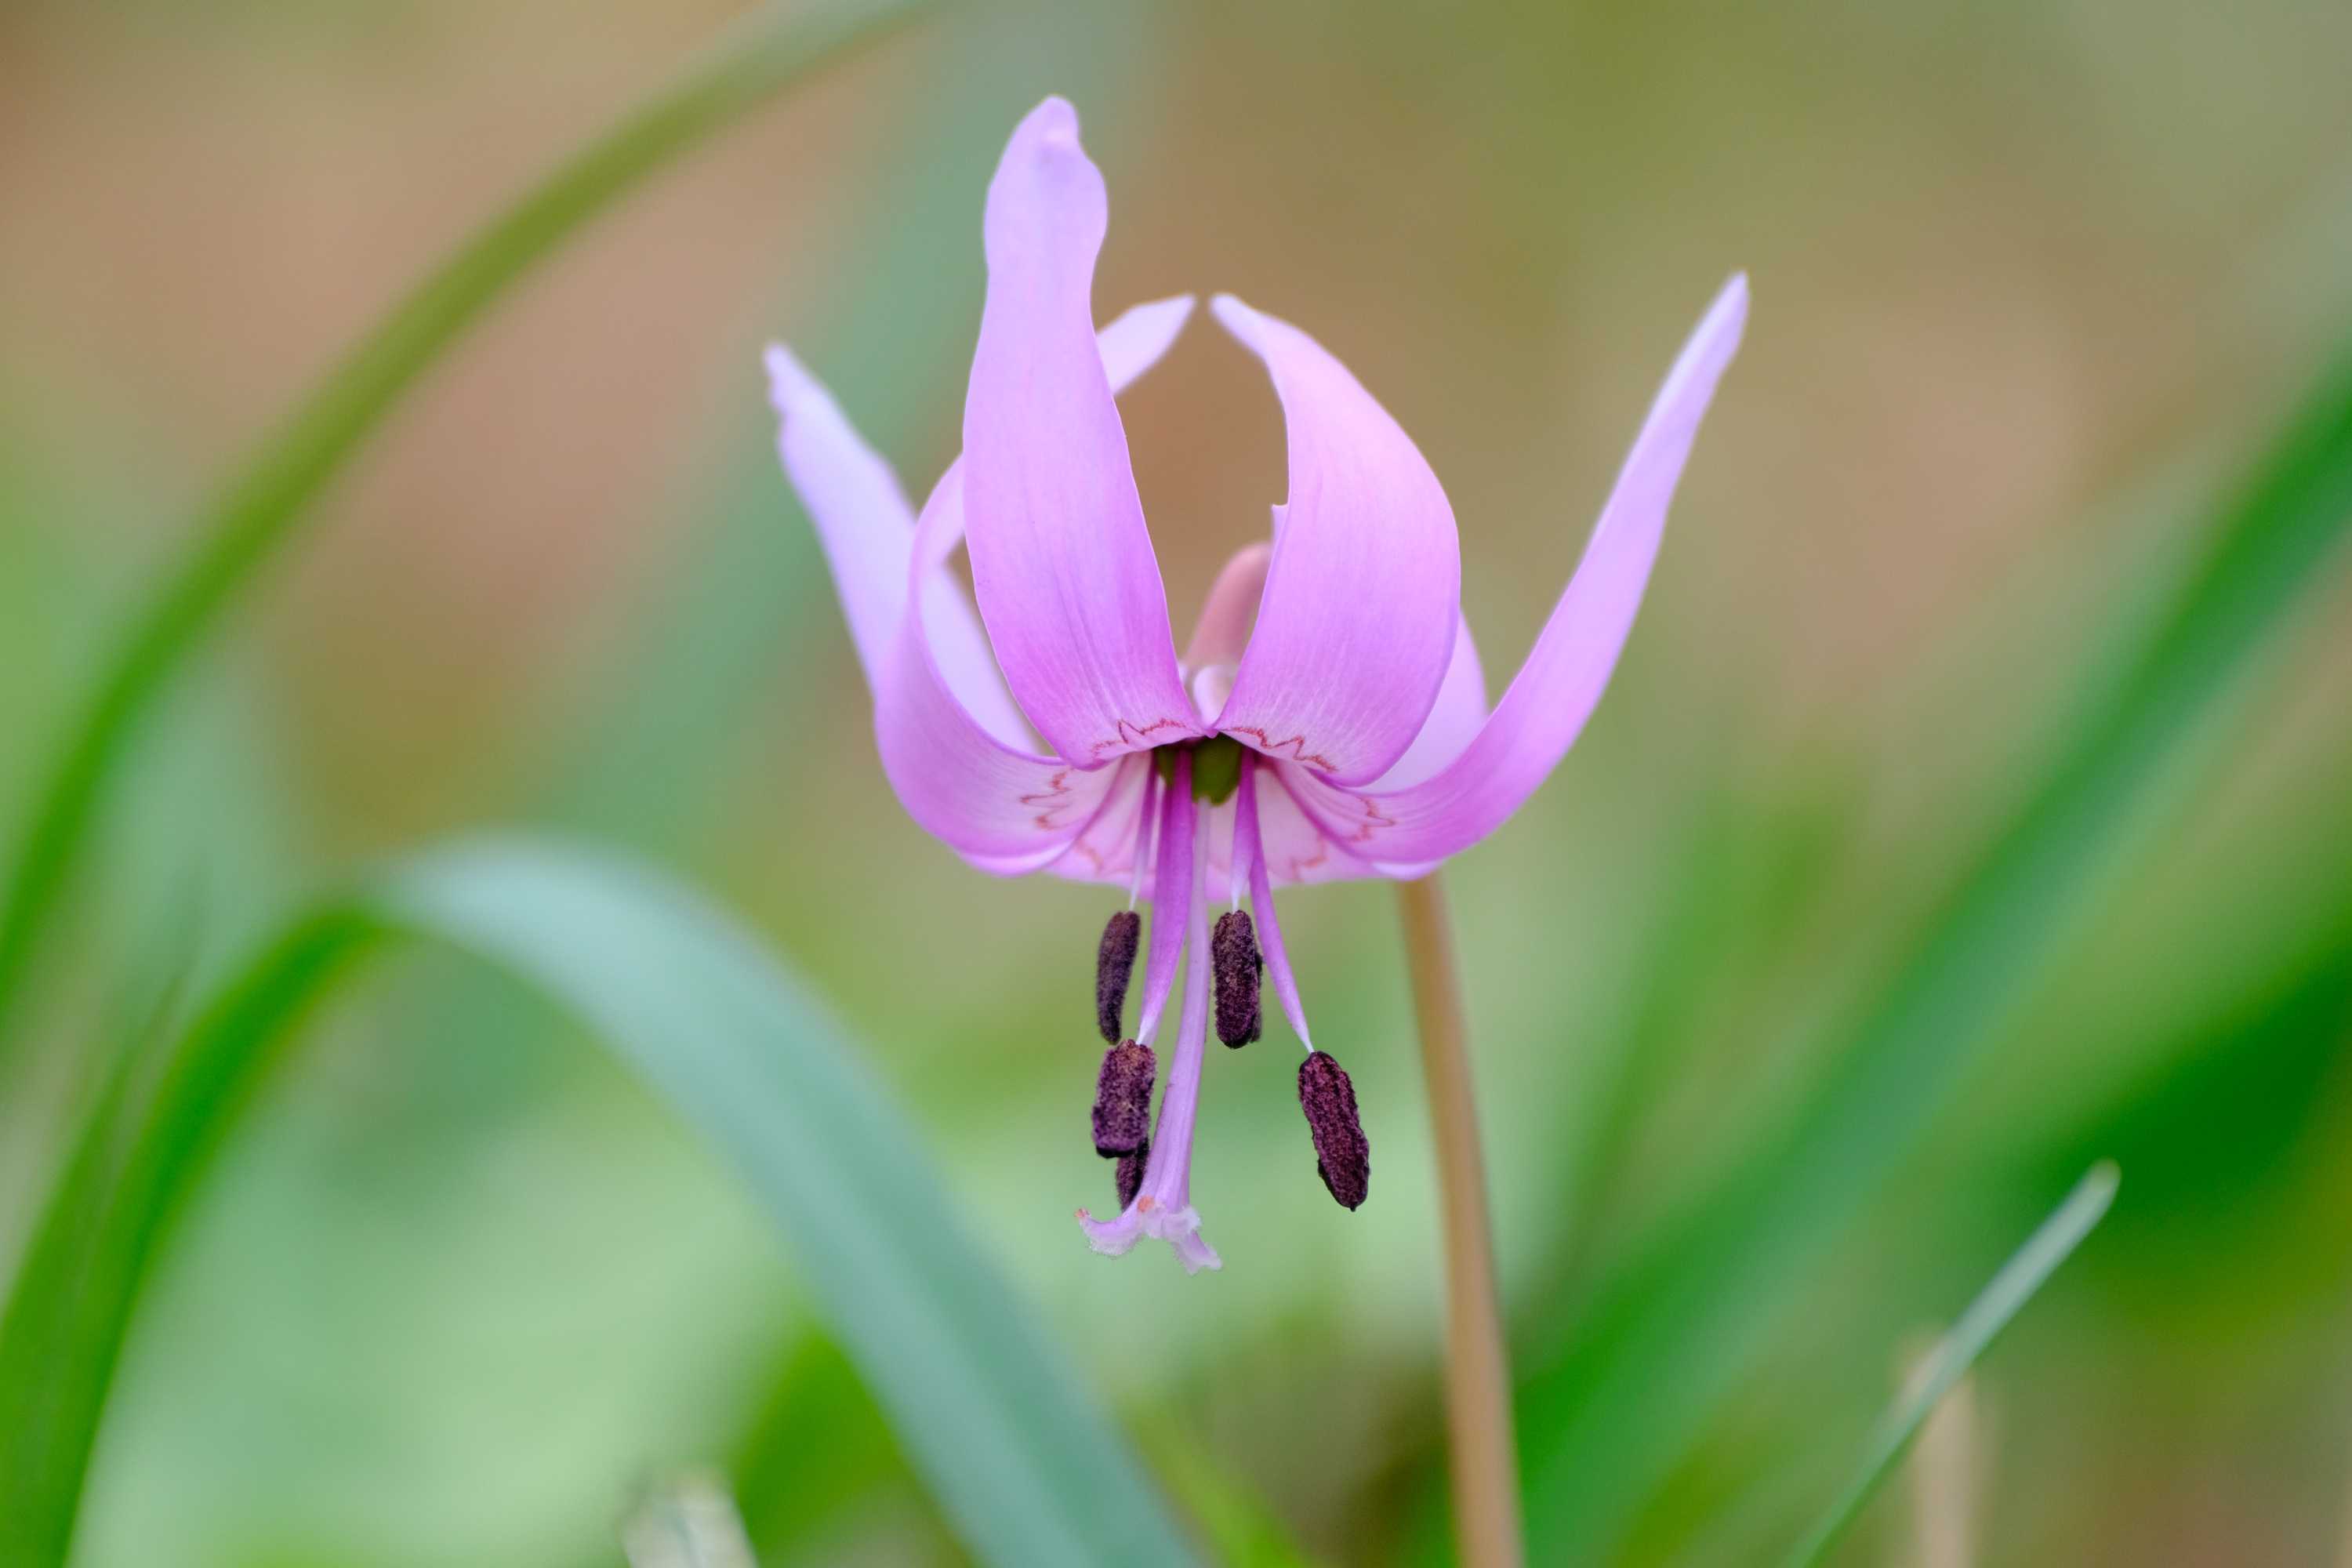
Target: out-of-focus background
(2031, 283)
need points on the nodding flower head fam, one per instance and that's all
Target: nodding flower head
(1328, 718)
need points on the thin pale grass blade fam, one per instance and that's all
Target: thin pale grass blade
(989, 1414)
(255, 515)
(687, 1523)
(2025, 1274)
(1946, 1467)
(1669, 1332)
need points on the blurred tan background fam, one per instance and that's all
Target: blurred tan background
(2029, 283)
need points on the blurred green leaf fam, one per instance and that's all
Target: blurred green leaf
(989, 1414)
(255, 513)
(2025, 1274)
(817, 1447)
(1663, 1338)
(1233, 1516)
(2217, 1112)
(70, 1305)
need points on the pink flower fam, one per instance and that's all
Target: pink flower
(1328, 718)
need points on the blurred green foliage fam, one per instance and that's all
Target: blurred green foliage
(1006, 1439)
(2030, 287)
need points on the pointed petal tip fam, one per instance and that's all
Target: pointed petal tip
(1054, 118)
(789, 381)
(1729, 311)
(1169, 315)
(1711, 346)
(1134, 342)
(1235, 316)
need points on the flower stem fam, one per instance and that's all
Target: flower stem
(1483, 1460)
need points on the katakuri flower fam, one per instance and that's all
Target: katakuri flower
(1327, 720)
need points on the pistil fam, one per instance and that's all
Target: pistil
(1161, 1205)
(1127, 1177)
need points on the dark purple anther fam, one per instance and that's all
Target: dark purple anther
(1234, 949)
(1114, 964)
(1342, 1156)
(1128, 1173)
(1123, 1100)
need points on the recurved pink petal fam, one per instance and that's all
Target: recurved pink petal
(1298, 850)
(1129, 345)
(867, 533)
(1556, 691)
(1453, 721)
(1005, 810)
(953, 744)
(1134, 341)
(1365, 588)
(1066, 580)
(1001, 806)
(1108, 851)
(1221, 633)
(861, 518)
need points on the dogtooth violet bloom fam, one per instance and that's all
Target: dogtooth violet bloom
(1327, 720)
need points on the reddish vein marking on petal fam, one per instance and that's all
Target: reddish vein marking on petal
(1131, 735)
(1095, 854)
(1374, 818)
(1322, 853)
(1056, 788)
(1323, 834)
(1297, 745)
(1056, 792)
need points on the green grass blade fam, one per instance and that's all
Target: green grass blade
(255, 513)
(1022, 1462)
(71, 1303)
(987, 1411)
(1661, 1340)
(2020, 1278)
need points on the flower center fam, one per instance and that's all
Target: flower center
(1216, 766)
